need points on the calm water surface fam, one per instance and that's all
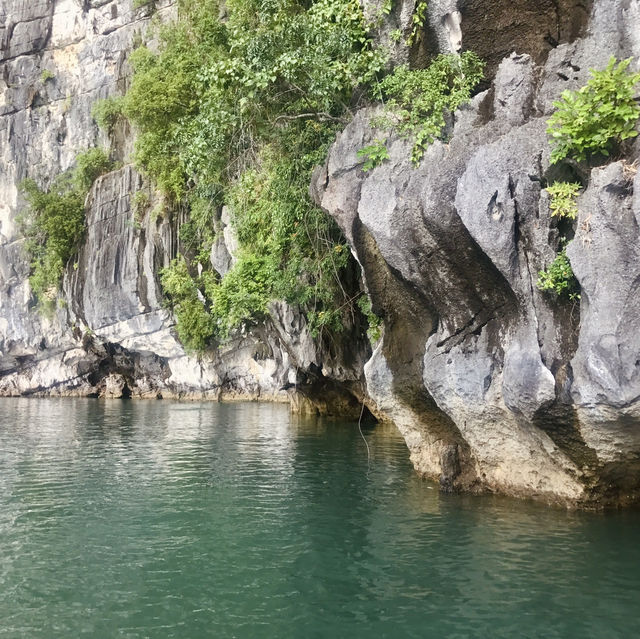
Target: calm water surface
(160, 519)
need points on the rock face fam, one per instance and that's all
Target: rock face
(111, 335)
(493, 384)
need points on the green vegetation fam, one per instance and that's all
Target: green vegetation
(563, 199)
(46, 75)
(140, 204)
(54, 222)
(417, 101)
(599, 116)
(195, 326)
(106, 112)
(239, 112)
(374, 330)
(591, 121)
(559, 277)
(417, 21)
(374, 155)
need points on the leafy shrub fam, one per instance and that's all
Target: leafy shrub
(46, 75)
(195, 325)
(374, 330)
(559, 277)
(90, 165)
(188, 235)
(417, 21)
(374, 155)
(54, 221)
(217, 90)
(139, 204)
(298, 246)
(417, 101)
(239, 111)
(600, 115)
(106, 112)
(563, 199)
(243, 295)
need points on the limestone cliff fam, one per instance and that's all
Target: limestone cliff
(494, 384)
(110, 334)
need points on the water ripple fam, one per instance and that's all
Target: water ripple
(160, 519)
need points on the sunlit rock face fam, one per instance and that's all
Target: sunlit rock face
(111, 334)
(493, 383)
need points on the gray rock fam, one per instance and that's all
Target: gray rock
(111, 324)
(494, 384)
(225, 245)
(523, 397)
(605, 257)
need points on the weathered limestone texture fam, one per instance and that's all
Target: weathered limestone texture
(494, 384)
(111, 335)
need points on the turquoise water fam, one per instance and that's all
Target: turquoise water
(161, 519)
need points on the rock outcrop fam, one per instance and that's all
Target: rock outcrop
(494, 384)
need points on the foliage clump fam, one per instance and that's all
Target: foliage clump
(107, 112)
(53, 224)
(417, 101)
(597, 117)
(374, 330)
(238, 111)
(194, 324)
(374, 154)
(417, 21)
(563, 199)
(559, 278)
(219, 89)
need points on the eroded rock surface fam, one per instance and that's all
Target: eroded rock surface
(493, 383)
(111, 335)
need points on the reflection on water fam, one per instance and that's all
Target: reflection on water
(161, 519)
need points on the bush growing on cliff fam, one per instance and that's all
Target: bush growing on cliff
(195, 325)
(374, 330)
(374, 154)
(218, 90)
(599, 116)
(418, 20)
(54, 221)
(106, 112)
(418, 101)
(239, 111)
(559, 278)
(563, 199)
